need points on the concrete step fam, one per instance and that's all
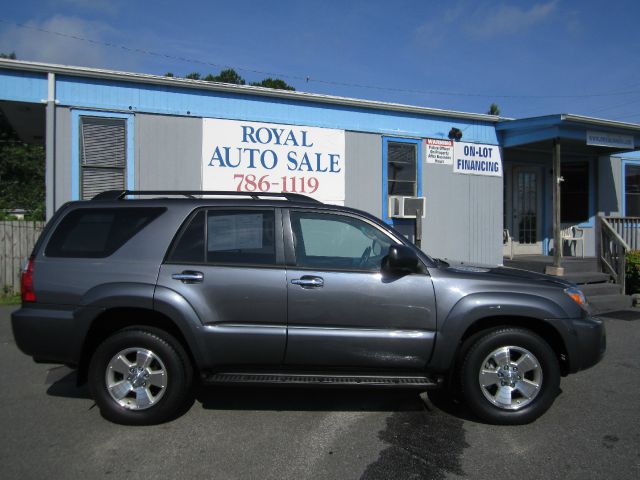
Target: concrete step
(579, 265)
(609, 303)
(596, 289)
(581, 278)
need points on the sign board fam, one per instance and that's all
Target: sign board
(613, 140)
(477, 159)
(439, 151)
(265, 157)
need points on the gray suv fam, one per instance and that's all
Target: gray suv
(144, 292)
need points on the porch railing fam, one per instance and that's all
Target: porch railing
(628, 228)
(616, 237)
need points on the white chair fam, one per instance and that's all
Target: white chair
(573, 234)
(508, 241)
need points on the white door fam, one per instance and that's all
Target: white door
(527, 210)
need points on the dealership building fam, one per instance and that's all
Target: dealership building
(482, 186)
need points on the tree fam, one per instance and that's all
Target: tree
(229, 76)
(10, 56)
(22, 183)
(494, 109)
(273, 83)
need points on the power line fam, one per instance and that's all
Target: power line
(306, 78)
(613, 107)
(629, 116)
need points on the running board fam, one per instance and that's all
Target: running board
(314, 379)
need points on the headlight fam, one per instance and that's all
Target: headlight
(576, 295)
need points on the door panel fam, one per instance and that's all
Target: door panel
(227, 263)
(342, 312)
(243, 310)
(361, 320)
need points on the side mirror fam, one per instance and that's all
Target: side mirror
(401, 259)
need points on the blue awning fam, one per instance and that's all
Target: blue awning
(607, 134)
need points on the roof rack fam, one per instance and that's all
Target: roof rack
(122, 194)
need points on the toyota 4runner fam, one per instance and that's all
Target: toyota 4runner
(145, 295)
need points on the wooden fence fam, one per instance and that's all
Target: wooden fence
(17, 239)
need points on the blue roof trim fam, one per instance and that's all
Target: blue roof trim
(81, 92)
(20, 86)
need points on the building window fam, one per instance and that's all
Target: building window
(574, 196)
(103, 155)
(632, 190)
(402, 168)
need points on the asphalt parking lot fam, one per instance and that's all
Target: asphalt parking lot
(51, 429)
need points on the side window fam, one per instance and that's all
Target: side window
(336, 242)
(190, 245)
(98, 232)
(241, 237)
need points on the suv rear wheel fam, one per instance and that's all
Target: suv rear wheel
(140, 376)
(510, 376)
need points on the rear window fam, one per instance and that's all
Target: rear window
(98, 232)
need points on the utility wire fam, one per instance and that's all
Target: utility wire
(306, 78)
(613, 107)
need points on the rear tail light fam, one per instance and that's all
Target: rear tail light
(26, 282)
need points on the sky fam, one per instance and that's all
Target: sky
(530, 57)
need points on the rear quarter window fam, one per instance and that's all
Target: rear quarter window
(98, 232)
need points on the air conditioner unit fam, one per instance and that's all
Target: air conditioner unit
(405, 207)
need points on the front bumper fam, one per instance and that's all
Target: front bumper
(586, 344)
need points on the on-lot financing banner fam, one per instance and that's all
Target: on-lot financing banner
(477, 159)
(265, 157)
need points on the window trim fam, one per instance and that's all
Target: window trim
(76, 177)
(279, 248)
(290, 254)
(385, 180)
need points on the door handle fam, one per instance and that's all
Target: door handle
(309, 282)
(189, 276)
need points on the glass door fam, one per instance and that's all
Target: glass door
(527, 209)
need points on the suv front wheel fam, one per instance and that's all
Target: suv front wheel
(140, 376)
(510, 376)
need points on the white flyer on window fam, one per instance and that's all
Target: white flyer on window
(234, 232)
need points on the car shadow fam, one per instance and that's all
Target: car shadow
(63, 382)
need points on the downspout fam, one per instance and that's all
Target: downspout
(50, 147)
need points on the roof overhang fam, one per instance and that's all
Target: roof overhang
(144, 78)
(573, 128)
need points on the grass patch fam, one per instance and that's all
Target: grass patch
(13, 299)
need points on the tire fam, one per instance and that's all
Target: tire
(510, 396)
(140, 376)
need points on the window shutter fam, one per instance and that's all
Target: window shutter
(103, 154)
